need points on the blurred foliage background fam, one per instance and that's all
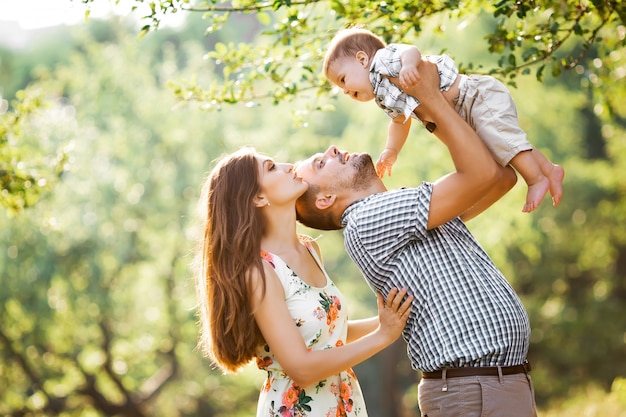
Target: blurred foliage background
(105, 138)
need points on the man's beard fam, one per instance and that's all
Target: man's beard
(365, 172)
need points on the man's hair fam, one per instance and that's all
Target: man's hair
(309, 215)
(347, 42)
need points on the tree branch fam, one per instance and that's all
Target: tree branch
(246, 9)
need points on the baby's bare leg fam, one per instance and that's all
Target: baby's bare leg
(538, 183)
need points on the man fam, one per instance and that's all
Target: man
(468, 332)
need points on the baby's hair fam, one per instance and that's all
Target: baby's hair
(347, 42)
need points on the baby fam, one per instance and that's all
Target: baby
(360, 63)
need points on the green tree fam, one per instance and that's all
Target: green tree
(566, 264)
(33, 132)
(526, 36)
(29, 164)
(96, 307)
(96, 311)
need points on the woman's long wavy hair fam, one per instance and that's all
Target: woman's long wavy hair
(227, 256)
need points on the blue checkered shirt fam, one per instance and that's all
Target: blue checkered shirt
(391, 99)
(465, 313)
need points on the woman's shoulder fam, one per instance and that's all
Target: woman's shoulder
(311, 244)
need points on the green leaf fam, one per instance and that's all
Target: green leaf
(264, 18)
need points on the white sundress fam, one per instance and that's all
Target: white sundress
(322, 319)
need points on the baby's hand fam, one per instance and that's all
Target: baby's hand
(385, 161)
(408, 77)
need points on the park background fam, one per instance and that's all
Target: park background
(97, 234)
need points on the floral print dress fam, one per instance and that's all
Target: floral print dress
(322, 320)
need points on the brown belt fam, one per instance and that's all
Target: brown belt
(478, 371)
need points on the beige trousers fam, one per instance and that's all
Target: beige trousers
(487, 106)
(478, 396)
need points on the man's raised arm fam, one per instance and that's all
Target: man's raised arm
(476, 171)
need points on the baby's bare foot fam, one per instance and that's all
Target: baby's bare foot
(535, 194)
(555, 176)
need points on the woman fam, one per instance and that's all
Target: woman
(263, 293)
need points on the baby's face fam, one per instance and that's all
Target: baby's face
(353, 77)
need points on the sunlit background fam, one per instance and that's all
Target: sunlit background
(96, 290)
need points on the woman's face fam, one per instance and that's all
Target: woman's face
(279, 182)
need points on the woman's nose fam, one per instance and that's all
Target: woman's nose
(287, 167)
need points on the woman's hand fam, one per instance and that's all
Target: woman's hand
(393, 312)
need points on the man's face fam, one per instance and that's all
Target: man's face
(334, 171)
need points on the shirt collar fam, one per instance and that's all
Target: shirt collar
(352, 206)
(349, 209)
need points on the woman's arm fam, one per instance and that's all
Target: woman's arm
(307, 367)
(359, 328)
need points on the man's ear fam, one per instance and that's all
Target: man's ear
(363, 58)
(325, 201)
